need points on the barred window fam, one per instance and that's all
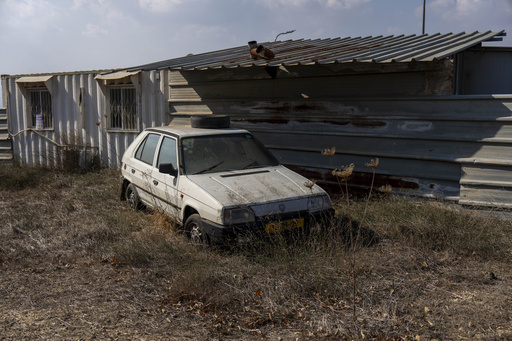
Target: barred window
(123, 108)
(41, 104)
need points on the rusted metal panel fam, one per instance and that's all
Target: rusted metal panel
(367, 49)
(389, 49)
(404, 84)
(411, 176)
(380, 144)
(315, 93)
(183, 77)
(421, 142)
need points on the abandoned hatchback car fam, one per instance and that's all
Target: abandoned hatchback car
(218, 182)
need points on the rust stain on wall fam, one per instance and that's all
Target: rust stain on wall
(263, 120)
(286, 107)
(366, 123)
(357, 181)
(359, 123)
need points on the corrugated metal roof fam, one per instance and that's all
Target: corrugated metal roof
(117, 75)
(379, 49)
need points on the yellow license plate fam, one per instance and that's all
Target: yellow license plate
(284, 225)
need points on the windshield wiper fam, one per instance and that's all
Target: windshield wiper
(209, 168)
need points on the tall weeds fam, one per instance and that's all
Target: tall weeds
(342, 175)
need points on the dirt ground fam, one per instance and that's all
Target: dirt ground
(60, 280)
(72, 299)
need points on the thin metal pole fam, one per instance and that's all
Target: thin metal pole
(424, 5)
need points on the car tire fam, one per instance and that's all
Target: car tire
(132, 198)
(210, 121)
(195, 231)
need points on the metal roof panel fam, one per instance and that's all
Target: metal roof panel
(117, 75)
(379, 49)
(34, 79)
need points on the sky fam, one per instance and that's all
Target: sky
(46, 36)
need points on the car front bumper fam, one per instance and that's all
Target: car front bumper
(237, 234)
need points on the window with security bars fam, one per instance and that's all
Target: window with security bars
(123, 108)
(41, 104)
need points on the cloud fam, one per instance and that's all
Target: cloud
(394, 30)
(200, 33)
(103, 17)
(343, 4)
(334, 4)
(469, 16)
(78, 4)
(32, 14)
(93, 30)
(468, 7)
(461, 10)
(159, 5)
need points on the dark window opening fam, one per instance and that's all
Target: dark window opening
(41, 108)
(123, 108)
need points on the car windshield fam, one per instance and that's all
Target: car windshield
(218, 153)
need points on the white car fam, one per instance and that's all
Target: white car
(218, 183)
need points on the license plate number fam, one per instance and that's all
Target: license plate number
(284, 225)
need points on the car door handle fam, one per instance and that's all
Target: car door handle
(155, 182)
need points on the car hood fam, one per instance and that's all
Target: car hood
(254, 186)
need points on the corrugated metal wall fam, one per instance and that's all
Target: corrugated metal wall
(485, 70)
(80, 119)
(453, 147)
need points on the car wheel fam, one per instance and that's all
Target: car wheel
(132, 198)
(194, 230)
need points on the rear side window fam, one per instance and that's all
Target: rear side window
(146, 150)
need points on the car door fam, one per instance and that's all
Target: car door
(165, 185)
(142, 168)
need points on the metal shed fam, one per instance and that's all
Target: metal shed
(403, 99)
(78, 119)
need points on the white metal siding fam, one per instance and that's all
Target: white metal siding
(31, 148)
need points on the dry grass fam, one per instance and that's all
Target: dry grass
(434, 225)
(76, 263)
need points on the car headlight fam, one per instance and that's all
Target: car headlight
(238, 216)
(319, 203)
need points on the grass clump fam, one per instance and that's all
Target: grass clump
(20, 177)
(435, 225)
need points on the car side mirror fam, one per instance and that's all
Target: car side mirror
(167, 168)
